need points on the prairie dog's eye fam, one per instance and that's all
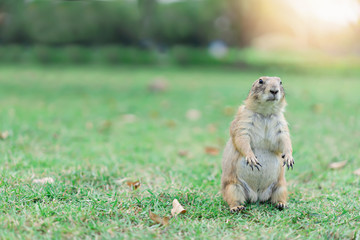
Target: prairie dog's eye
(261, 81)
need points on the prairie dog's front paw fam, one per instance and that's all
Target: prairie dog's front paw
(252, 161)
(288, 160)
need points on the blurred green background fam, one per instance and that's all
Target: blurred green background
(237, 33)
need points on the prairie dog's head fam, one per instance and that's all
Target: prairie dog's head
(267, 95)
(267, 89)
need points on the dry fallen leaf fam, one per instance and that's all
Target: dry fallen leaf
(129, 118)
(229, 111)
(44, 180)
(193, 114)
(105, 126)
(154, 114)
(337, 165)
(177, 208)
(4, 135)
(120, 181)
(158, 85)
(160, 220)
(211, 128)
(183, 153)
(170, 123)
(212, 151)
(89, 125)
(317, 108)
(357, 172)
(133, 185)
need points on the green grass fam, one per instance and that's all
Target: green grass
(68, 123)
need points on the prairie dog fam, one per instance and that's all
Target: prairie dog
(258, 149)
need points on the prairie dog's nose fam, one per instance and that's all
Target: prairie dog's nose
(274, 91)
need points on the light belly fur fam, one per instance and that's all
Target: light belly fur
(259, 184)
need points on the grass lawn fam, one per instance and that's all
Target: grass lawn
(93, 128)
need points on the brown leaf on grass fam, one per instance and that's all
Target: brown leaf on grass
(193, 114)
(317, 108)
(105, 126)
(177, 208)
(160, 220)
(133, 185)
(154, 114)
(183, 153)
(89, 125)
(337, 165)
(159, 84)
(170, 123)
(129, 118)
(4, 135)
(211, 128)
(229, 111)
(44, 180)
(357, 172)
(120, 180)
(212, 151)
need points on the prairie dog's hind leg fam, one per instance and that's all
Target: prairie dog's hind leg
(234, 195)
(279, 195)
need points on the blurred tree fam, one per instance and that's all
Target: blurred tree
(149, 23)
(147, 10)
(12, 22)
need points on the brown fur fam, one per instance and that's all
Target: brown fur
(262, 107)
